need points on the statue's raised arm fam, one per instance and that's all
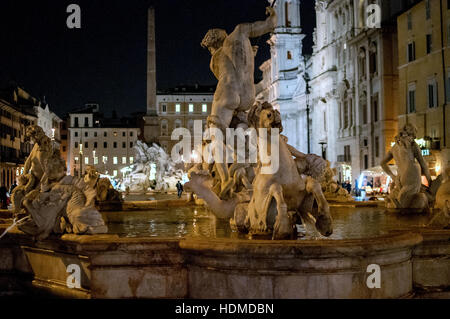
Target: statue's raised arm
(259, 28)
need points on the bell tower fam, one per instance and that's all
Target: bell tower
(287, 64)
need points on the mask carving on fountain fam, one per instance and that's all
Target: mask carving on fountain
(407, 191)
(54, 202)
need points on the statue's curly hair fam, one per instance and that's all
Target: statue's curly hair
(214, 38)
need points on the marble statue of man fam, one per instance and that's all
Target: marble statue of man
(233, 64)
(408, 181)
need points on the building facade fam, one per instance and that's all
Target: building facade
(341, 103)
(179, 108)
(106, 143)
(424, 84)
(14, 146)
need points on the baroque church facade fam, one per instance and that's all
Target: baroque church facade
(340, 103)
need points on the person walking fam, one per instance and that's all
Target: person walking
(4, 197)
(14, 185)
(179, 189)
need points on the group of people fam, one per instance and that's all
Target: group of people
(5, 194)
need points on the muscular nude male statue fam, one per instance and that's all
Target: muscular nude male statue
(233, 64)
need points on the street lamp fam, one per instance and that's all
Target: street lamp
(308, 91)
(81, 159)
(323, 150)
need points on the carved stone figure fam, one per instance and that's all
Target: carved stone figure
(233, 64)
(407, 191)
(273, 203)
(442, 205)
(54, 201)
(166, 175)
(104, 190)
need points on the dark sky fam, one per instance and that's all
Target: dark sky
(105, 61)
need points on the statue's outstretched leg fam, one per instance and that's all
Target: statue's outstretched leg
(322, 215)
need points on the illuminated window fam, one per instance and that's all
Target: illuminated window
(131, 159)
(204, 108)
(177, 108)
(191, 108)
(115, 160)
(124, 160)
(115, 173)
(86, 160)
(115, 133)
(105, 159)
(95, 160)
(75, 159)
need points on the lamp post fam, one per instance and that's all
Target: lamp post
(307, 79)
(81, 160)
(323, 150)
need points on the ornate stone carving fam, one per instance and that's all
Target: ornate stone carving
(53, 201)
(407, 190)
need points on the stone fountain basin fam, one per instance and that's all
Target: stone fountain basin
(412, 263)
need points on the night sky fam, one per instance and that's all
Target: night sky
(105, 60)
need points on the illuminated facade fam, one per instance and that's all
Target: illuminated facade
(108, 144)
(424, 68)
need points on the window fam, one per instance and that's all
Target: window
(124, 145)
(432, 94)
(115, 160)
(366, 161)
(76, 144)
(429, 43)
(375, 109)
(286, 14)
(412, 99)
(131, 144)
(115, 173)
(95, 134)
(411, 51)
(95, 160)
(105, 144)
(95, 144)
(86, 160)
(427, 9)
(63, 148)
(105, 159)
(409, 18)
(364, 112)
(105, 134)
(131, 159)
(377, 146)
(76, 134)
(347, 156)
(177, 108)
(115, 144)
(86, 134)
(86, 145)
(191, 108)
(164, 108)
(86, 121)
(124, 134)
(115, 134)
(164, 128)
(76, 122)
(204, 108)
(131, 134)
(289, 55)
(75, 159)
(124, 160)
(345, 114)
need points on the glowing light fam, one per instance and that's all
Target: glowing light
(421, 142)
(360, 180)
(437, 168)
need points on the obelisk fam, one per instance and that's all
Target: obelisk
(151, 128)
